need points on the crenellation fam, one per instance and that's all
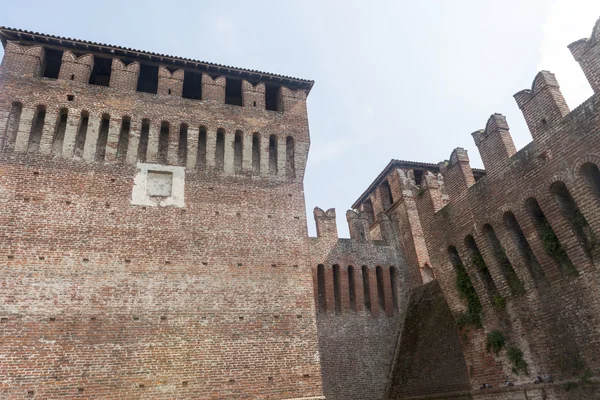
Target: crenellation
(543, 106)
(457, 173)
(358, 225)
(170, 82)
(495, 144)
(431, 190)
(213, 89)
(26, 61)
(326, 223)
(253, 95)
(587, 53)
(124, 77)
(76, 69)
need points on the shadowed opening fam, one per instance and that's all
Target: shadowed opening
(163, 143)
(182, 144)
(12, 126)
(256, 154)
(192, 85)
(144, 137)
(101, 71)
(321, 286)
(233, 91)
(37, 127)
(123, 139)
(572, 213)
(352, 287)
(337, 289)
(289, 154)
(552, 246)
(498, 252)
(480, 266)
(148, 79)
(531, 262)
(220, 150)
(380, 287)
(52, 62)
(366, 287)
(201, 156)
(84, 120)
(272, 97)
(59, 131)
(273, 155)
(102, 138)
(238, 152)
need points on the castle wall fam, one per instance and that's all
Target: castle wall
(514, 250)
(203, 292)
(542, 267)
(430, 358)
(359, 310)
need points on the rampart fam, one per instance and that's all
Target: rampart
(514, 248)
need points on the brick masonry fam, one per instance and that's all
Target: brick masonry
(155, 245)
(525, 231)
(103, 295)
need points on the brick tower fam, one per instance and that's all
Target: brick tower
(153, 227)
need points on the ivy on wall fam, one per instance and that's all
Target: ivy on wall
(554, 249)
(467, 292)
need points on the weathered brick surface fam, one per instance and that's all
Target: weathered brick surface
(531, 220)
(101, 298)
(357, 331)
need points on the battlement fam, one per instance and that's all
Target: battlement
(587, 53)
(512, 247)
(113, 105)
(342, 267)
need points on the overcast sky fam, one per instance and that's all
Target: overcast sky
(393, 79)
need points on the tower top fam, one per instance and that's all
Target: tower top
(126, 54)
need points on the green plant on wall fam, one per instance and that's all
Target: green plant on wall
(467, 292)
(582, 225)
(499, 301)
(515, 356)
(514, 283)
(479, 262)
(554, 249)
(512, 279)
(495, 342)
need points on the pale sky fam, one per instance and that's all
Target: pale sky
(393, 79)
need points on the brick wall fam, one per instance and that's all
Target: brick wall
(360, 311)
(524, 232)
(209, 297)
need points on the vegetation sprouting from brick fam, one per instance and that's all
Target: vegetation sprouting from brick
(499, 302)
(584, 379)
(554, 249)
(495, 342)
(512, 279)
(581, 224)
(479, 263)
(515, 356)
(467, 292)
